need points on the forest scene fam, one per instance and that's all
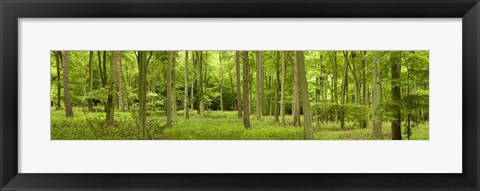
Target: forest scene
(239, 95)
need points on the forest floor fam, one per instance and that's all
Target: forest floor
(215, 125)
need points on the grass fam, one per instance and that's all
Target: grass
(215, 125)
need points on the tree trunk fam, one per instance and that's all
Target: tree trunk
(90, 81)
(221, 80)
(239, 89)
(277, 83)
(344, 93)
(111, 99)
(59, 86)
(102, 79)
(262, 84)
(335, 83)
(282, 92)
(303, 86)
(105, 67)
(169, 98)
(174, 88)
(396, 122)
(194, 61)
(121, 82)
(200, 84)
(296, 94)
(185, 101)
(365, 90)
(205, 75)
(319, 91)
(246, 113)
(353, 67)
(66, 86)
(377, 97)
(125, 89)
(259, 83)
(142, 110)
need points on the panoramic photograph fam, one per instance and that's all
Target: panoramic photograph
(239, 95)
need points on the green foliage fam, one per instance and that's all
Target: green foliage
(324, 85)
(215, 125)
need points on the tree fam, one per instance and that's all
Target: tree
(259, 92)
(366, 98)
(221, 80)
(194, 59)
(200, 84)
(296, 96)
(169, 99)
(246, 112)
(239, 93)
(185, 102)
(66, 86)
(277, 83)
(344, 90)
(377, 97)
(303, 86)
(121, 83)
(111, 99)
(102, 79)
(90, 81)
(173, 88)
(142, 82)
(282, 92)
(335, 83)
(59, 86)
(396, 122)
(104, 70)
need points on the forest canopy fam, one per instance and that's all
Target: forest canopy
(239, 95)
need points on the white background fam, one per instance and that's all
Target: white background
(442, 153)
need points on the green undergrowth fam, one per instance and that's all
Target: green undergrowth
(215, 125)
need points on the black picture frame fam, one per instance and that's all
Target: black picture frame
(12, 10)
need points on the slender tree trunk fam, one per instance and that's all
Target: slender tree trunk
(239, 89)
(194, 61)
(90, 81)
(365, 90)
(353, 67)
(335, 83)
(200, 84)
(409, 131)
(111, 99)
(377, 97)
(319, 91)
(66, 86)
(344, 92)
(221, 80)
(59, 86)
(169, 98)
(246, 113)
(296, 94)
(105, 67)
(259, 83)
(102, 79)
(185, 102)
(142, 110)
(121, 82)
(262, 84)
(282, 92)
(277, 84)
(205, 85)
(396, 122)
(303, 86)
(128, 83)
(174, 88)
